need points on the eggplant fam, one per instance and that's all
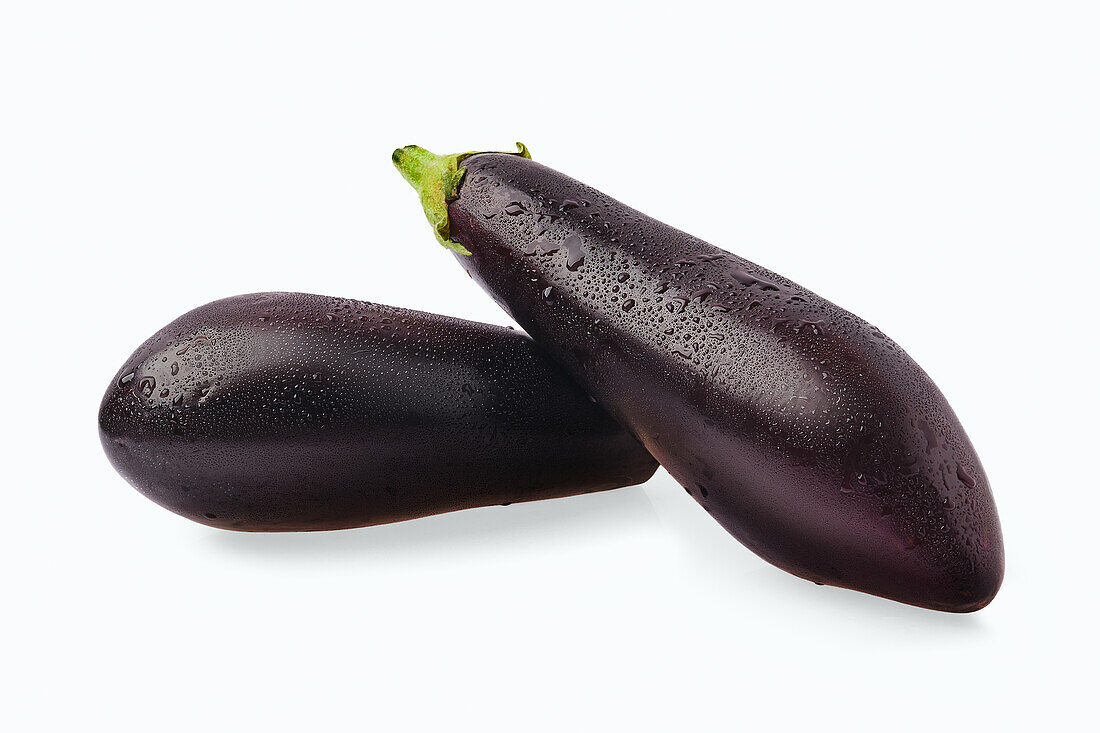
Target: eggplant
(290, 412)
(808, 434)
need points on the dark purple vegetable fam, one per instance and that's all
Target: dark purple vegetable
(807, 433)
(285, 411)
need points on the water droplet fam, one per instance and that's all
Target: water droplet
(929, 434)
(702, 293)
(965, 477)
(746, 279)
(574, 248)
(541, 247)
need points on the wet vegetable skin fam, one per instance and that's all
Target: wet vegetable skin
(287, 411)
(806, 432)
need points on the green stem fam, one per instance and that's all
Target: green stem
(436, 179)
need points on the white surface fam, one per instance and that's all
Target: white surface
(933, 169)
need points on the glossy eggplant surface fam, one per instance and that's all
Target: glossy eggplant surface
(810, 435)
(287, 411)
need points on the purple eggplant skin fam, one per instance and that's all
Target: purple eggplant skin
(292, 412)
(802, 429)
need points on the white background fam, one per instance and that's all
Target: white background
(933, 169)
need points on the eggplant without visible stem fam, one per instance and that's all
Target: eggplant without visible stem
(288, 412)
(805, 431)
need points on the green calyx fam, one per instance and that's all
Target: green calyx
(436, 179)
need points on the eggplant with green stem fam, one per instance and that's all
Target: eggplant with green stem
(806, 432)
